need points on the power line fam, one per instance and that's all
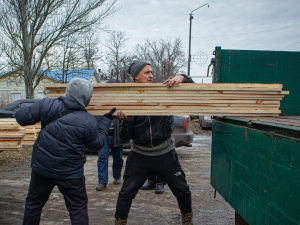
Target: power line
(286, 42)
(292, 44)
(229, 35)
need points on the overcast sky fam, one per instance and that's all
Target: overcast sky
(231, 24)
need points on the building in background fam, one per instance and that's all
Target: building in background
(12, 85)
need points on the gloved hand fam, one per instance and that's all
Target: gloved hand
(110, 115)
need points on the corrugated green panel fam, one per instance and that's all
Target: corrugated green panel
(257, 173)
(248, 66)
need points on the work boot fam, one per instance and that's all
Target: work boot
(120, 222)
(148, 186)
(117, 181)
(187, 219)
(159, 189)
(100, 187)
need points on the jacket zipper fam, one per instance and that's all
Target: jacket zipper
(150, 131)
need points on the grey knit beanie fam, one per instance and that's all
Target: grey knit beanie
(136, 67)
(80, 90)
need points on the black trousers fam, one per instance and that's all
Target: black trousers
(139, 167)
(155, 179)
(74, 193)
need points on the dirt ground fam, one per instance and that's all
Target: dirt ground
(148, 208)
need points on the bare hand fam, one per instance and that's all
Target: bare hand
(121, 115)
(173, 81)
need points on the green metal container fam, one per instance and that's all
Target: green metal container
(255, 163)
(268, 67)
(255, 166)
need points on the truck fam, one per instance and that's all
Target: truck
(255, 162)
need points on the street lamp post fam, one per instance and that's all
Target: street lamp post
(190, 37)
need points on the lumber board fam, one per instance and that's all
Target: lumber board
(11, 134)
(27, 142)
(182, 99)
(182, 92)
(174, 107)
(169, 113)
(11, 148)
(258, 101)
(213, 86)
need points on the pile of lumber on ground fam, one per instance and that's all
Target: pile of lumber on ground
(11, 135)
(216, 99)
(30, 135)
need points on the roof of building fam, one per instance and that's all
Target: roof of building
(58, 74)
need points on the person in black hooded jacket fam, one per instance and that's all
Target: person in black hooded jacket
(58, 157)
(152, 152)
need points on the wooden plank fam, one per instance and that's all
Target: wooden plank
(114, 92)
(191, 111)
(9, 127)
(179, 86)
(170, 97)
(156, 99)
(176, 107)
(25, 142)
(11, 148)
(155, 113)
(258, 101)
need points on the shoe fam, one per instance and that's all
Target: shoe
(187, 219)
(120, 222)
(148, 186)
(100, 187)
(159, 189)
(117, 181)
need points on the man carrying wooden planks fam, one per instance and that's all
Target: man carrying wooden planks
(152, 152)
(58, 156)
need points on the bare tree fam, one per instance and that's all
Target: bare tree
(116, 58)
(2, 62)
(90, 49)
(166, 56)
(32, 28)
(78, 51)
(4, 98)
(66, 56)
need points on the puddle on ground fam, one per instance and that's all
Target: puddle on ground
(201, 141)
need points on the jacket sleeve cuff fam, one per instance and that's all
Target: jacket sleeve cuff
(186, 79)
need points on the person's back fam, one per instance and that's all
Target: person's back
(58, 157)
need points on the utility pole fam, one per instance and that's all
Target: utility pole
(190, 38)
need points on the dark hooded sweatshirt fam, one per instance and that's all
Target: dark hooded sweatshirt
(58, 151)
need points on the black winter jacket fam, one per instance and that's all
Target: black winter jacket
(58, 151)
(149, 131)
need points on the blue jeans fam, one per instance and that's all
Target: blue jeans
(103, 156)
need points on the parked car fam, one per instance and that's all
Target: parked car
(205, 122)
(183, 136)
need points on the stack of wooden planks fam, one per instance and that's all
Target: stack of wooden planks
(11, 135)
(30, 135)
(217, 99)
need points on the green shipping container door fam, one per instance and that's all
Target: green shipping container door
(257, 170)
(248, 66)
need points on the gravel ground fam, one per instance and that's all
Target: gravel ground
(148, 208)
